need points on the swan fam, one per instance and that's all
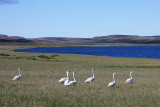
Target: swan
(112, 84)
(90, 79)
(62, 80)
(67, 80)
(72, 82)
(18, 77)
(130, 80)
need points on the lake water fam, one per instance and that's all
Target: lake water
(113, 51)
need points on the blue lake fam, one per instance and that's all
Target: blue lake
(113, 51)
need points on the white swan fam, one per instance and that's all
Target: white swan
(130, 80)
(90, 79)
(112, 84)
(62, 80)
(67, 80)
(72, 82)
(18, 77)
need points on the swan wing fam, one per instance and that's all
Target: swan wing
(129, 80)
(89, 80)
(111, 84)
(18, 77)
(62, 80)
(71, 83)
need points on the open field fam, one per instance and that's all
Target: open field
(40, 74)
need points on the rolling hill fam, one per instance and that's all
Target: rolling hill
(98, 39)
(13, 39)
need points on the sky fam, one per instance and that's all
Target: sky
(79, 18)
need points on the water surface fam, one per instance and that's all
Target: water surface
(113, 51)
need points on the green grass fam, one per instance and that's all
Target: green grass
(40, 74)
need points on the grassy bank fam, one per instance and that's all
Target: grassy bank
(40, 74)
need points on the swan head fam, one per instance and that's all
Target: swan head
(131, 71)
(93, 70)
(114, 74)
(68, 72)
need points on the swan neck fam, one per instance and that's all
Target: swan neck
(19, 70)
(93, 73)
(114, 78)
(67, 74)
(131, 74)
(74, 76)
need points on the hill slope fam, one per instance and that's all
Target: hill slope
(98, 39)
(13, 39)
(127, 39)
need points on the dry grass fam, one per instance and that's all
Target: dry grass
(39, 84)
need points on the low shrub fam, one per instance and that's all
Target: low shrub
(44, 57)
(2, 54)
(54, 55)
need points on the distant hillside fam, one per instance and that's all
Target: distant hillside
(13, 39)
(98, 39)
(102, 39)
(127, 39)
(61, 39)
